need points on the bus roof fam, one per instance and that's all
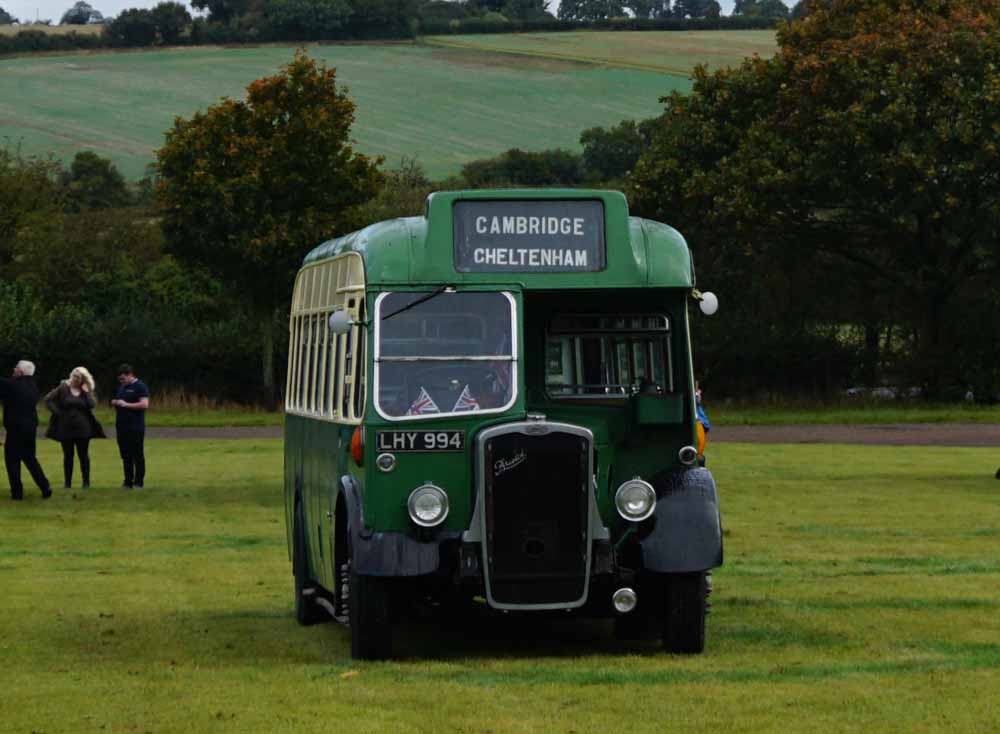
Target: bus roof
(634, 252)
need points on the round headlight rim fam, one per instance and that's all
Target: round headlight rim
(428, 488)
(635, 481)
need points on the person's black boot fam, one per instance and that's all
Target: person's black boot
(46, 493)
(86, 484)
(998, 473)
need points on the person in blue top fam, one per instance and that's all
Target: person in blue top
(130, 403)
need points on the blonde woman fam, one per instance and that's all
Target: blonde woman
(73, 423)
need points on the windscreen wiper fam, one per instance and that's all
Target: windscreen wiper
(429, 296)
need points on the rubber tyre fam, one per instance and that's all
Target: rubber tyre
(684, 600)
(370, 619)
(307, 611)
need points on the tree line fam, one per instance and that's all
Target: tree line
(843, 197)
(252, 21)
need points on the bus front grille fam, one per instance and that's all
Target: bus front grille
(536, 501)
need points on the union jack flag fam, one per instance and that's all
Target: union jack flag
(465, 402)
(423, 405)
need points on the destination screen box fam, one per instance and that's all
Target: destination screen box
(529, 236)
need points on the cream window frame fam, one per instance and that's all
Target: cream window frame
(312, 388)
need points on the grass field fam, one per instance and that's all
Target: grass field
(721, 413)
(172, 417)
(860, 594)
(671, 52)
(443, 106)
(861, 414)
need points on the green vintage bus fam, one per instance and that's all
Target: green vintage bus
(491, 407)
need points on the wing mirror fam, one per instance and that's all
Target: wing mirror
(340, 322)
(708, 302)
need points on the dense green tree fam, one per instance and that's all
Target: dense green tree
(31, 201)
(610, 153)
(517, 167)
(642, 8)
(132, 27)
(315, 18)
(866, 150)
(6, 18)
(761, 8)
(445, 10)
(379, 17)
(526, 9)
(247, 187)
(696, 9)
(590, 9)
(80, 14)
(93, 182)
(172, 19)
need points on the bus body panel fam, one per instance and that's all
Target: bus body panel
(634, 433)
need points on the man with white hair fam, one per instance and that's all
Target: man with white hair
(19, 395)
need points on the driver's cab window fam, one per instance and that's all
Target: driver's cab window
(608, 356)
(444, 353)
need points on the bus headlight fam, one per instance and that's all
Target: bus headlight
(635, 500)
(427, 505)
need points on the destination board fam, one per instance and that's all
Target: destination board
(529, 236)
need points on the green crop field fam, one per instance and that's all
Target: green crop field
(860, 594)
(442, 105)
(671, 52)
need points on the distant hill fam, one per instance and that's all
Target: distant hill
(444, 102)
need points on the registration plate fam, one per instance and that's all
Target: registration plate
(420, 440)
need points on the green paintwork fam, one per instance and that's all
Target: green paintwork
(649, 270)
(419, 249)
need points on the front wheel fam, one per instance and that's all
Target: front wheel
(371, 625)
(685, 607)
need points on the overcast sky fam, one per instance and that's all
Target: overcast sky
(28, 10)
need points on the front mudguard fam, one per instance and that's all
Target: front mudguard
(686, 534)
(384, 553)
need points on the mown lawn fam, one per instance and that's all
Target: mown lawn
(860, 594)
(728, 414)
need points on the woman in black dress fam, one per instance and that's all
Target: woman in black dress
(73, 423)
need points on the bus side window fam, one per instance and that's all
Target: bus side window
(348, 381)
(359, 382)
(300, 394)
(332, 376)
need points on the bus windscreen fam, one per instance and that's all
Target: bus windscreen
(445, 354)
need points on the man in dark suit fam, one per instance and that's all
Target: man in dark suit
(19, 395)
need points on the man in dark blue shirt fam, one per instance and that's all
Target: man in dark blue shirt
(19, 396)
(130, 403)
